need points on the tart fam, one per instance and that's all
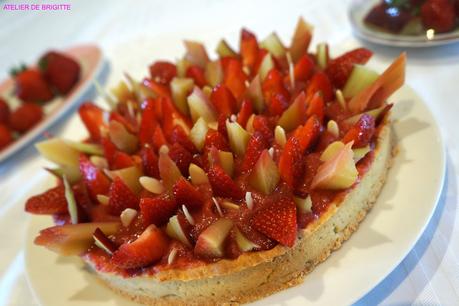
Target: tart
(223, 181)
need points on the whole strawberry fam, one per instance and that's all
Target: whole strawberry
(61, 71)
(32, 87)
(25, 117)
(5, 136)
(438, 15)
(4, 111)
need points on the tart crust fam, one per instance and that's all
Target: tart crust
(258, 274)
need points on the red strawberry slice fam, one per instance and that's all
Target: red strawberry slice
(158, 138)
(223, 100)
(179, 136)
(145, 250)
(217, 140)
(26, 116)
(157, 88)
(148, 122)
(245, 112)
(262, 126)
(109, 150)
(309, 133)
(157, 210)
(291, 163)
(50, 202)
(278, 221)
(4, 111)
(249, 48)
(122, 160)
(361, 132)
(181, 157)
(223, 185)
(93, 118)
(197, 74)
(60, 70)
(255, 146)
(320, 82)
(273, 85)
(303, 68)
(149, 162)
(31, 86)
(93, 177)
(316, 106)
(5, 136)
(121, 197)
(162, 72)
(186, 194)
(234, 78)
(339, 69)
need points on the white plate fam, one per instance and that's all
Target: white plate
(384, 238)
(358, 9)
(91, 61)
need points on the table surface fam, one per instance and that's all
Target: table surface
(429, 275)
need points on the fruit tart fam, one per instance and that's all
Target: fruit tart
(223, 181)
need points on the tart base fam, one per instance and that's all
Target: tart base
(256, 275)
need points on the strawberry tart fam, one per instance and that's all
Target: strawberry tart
(223, 181)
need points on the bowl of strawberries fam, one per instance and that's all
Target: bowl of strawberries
(35, 96)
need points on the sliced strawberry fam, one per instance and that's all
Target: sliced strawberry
(179, 136)
(26, 116)
(234, 78)
(320, 83)
(149, 162)
(278, 221)
(303, 68)
(217, 140)
(273, 85)
(186, 194)
(248, 48)
(223, 100)
(93, 177)
(262, 126)
(309, 133)
(31, 86)
(157, 88)
(4, 111)
(122, 160)
(340, 68)
(158, 138)
(157, 210)
(245, 112)
(255, 146)
(109, 150)
(291, 162)
(223, 185)
(197, 74)
(316, 106)
(171, 117)
(50, 202)
(5, 136)
(222, 126)
(361, 132)
(148, 122)
(162, 72)
(61, 71)
(278, 104)
(93, 118)
(145, 250)
(121, 197)
(181, 157)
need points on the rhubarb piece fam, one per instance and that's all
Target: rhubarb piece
(198, 176)
(238, 137)
(266, 65)
(303, 205)
(273, 44)
(300, 40)
(88, 148)
(278, 221)
(59, 152)
(386, 84)
(73, 239)
(121, 197)
(224, 50)
(331, 150)
(196, 53)
(255, 94)
(210, 243)
(322, 56)
(214, 73)
(151, 184)
(157, 210)
(265, 174)
(151, 245)
(337, 173)
(175, 231)
(52, 201)
(295, 114)
(181, 88)
(200, 106)
(168, 171)
(103, 242)
(198, 133)
(244, 244)
(71, 203)
(122, 139)
(127, 216)
(375, 113)
(130, 176)
(360, 153)
(360, 78)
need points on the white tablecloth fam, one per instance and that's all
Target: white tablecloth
(429, 275)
